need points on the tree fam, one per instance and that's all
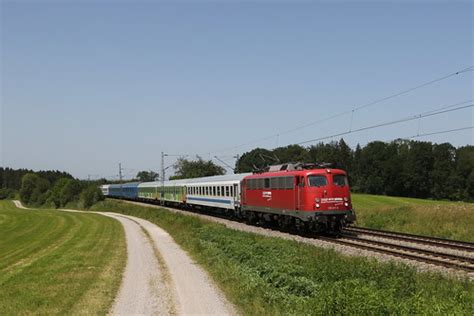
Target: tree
(186, 169)
(418, 168)
(91, 195)
(444, 163)
(291, 153)
(56, 191)
(70, 192)
(147, 176)
(28, 185)
(34, 190)
(255, 159)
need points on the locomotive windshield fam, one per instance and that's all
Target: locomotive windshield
(340, 180)
(317, 181)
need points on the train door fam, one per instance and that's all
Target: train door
(236, 194)
(299, 192)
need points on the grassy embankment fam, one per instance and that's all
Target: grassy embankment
(453, 220)
(272, 276)
(54, 262)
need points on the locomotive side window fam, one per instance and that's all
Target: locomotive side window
(289, 181)
(267, 183)
(259, 184)
(340, 180)
(274, 183)
(317, 181)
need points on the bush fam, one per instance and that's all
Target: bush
(34, 190)
(7, 194)
(91, 195)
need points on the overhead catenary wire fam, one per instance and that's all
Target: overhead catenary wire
(351, 111)
(411, 118)
(440, 132)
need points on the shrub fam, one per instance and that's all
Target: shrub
(91, 195)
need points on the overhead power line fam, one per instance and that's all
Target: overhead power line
(411, 118)
(351, 111)
(441, 132)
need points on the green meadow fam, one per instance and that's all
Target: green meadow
(454, 220)
(273, 276)
(54, 262)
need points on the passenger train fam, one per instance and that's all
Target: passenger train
(293, 196)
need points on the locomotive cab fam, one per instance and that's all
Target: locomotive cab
(328, 191)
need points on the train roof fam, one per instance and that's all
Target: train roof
(212, 179)
(124, 185)
(297, 172)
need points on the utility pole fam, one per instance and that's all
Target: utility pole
(120, 177)
(162, 173)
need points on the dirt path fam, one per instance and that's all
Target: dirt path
(160, 278)
(193, 291)
(19, 205)
(143, 290)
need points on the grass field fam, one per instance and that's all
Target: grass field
(272, 276)
(453, 220)
(54, 262)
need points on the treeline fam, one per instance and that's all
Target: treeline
(49, 188)
(10, 179)
(399, 168)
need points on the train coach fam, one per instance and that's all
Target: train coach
(301, 196)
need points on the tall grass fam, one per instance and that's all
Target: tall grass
(454, 220)
(272, 276)
(54, 262)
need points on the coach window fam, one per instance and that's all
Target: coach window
(218, 191)
(231, 191)
(227, 191)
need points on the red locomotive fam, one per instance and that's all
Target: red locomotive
(299, 195)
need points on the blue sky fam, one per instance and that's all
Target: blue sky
(90, 84)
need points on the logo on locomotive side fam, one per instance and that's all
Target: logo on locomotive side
(267, 195)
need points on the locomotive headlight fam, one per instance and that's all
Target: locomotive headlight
(346, 204)
(317, 205)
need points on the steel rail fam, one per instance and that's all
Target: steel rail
(366, 245)
(434, 241)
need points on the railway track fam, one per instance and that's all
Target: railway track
(431, 241)
(349, 238)
(435, 256)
